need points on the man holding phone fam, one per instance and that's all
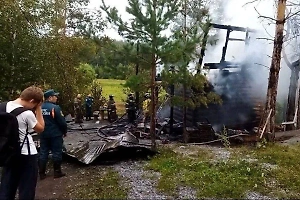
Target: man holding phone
(23, 176)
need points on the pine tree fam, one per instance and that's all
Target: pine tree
(189, 33)
(150, 19)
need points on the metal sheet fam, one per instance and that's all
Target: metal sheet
(86, 144)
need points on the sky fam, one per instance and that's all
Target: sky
(237, 13)
(120, 5)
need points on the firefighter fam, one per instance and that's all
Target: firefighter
(131, 108)
(78, 109)
(146, 107)
(88, 107)
(111, 109)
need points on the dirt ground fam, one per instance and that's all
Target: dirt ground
(78, 173)
(51, 188)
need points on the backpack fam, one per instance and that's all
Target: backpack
(10, 148)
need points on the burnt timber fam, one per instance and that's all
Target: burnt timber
(241, 106)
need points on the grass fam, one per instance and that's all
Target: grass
(102, 185)
(232, 178)
(115, 87)
(287, 167)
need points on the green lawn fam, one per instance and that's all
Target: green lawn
(114, 87)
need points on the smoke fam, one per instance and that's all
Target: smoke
(243, 87)
(259, 52)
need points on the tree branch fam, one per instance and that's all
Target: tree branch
(253, 1)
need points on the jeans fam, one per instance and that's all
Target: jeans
(55, 144)
(22, 176)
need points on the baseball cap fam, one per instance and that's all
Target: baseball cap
(50, 93)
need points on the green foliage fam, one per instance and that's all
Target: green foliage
(137, 83)
(96, 92)
(223, 136)
(150, 20)
(113, 59)
(199, 90)
(37, 47)
(86, 76)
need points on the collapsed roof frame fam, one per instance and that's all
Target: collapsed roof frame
(229, 29)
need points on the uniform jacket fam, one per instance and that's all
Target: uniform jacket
(89, 101)
(55, 123)
(130, 104)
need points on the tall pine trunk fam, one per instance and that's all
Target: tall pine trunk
(153, 85)
(185, 134)
(275, 68)
(153, 104)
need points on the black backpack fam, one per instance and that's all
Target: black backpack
(10, 148)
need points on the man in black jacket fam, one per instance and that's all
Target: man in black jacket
(52, 137)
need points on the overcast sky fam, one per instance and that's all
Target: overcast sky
(236, 12)
(120, 5)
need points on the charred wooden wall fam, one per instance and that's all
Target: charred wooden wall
(239, 109)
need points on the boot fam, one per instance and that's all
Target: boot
(57, 170)
(42, 170)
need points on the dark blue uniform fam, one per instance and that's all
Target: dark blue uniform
(88, 107)
(52, 137)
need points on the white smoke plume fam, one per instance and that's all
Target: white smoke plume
(259, 52)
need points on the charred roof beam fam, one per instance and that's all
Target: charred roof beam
(232, 28)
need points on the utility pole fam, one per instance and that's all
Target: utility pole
(270, 109)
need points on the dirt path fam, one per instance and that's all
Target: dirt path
(51, 188)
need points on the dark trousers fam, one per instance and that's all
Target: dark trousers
(22, 176)
(55, 144)
(88, 112)
(131, 116)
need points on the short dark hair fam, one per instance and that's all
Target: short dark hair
(32, 93)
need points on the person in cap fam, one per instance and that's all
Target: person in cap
(111, 109)
(51, 139)
(88, 107)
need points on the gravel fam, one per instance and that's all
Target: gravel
(142, 183)
(187, 193)
(255, 195)
(221, 153)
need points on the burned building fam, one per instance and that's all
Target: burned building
(237, 85)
